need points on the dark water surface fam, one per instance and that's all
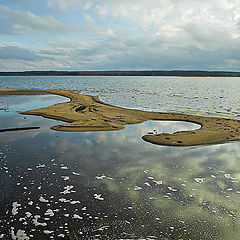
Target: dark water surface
(112, 185)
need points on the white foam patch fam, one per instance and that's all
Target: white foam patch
(67, 189)
(41, 166)
(199, 180)
(61, 235)
(158, 182)
(28, 214)
(64, 167)
(15, 206)
(137, 188)
(20, 235)
(75, 202)
(98, 197)
(48, 231)
(102, 228)
(65, 178)
(147, 184)
(42, 199)
(172, 189)
(76, 216)
(49, 213)
(100, 177)
(63, 200)
(36, 223)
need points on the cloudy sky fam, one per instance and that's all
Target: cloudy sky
(119, 34)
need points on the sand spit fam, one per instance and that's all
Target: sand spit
(88, 113)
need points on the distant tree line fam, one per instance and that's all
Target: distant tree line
(179, 73)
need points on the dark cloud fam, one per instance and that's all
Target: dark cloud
(16, 53)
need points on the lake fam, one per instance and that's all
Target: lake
(113, 185)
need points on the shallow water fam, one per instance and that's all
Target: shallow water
(214, 96)
(113, 185)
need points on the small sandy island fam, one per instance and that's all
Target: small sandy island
(88, 113)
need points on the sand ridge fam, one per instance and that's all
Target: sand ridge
(88, 113)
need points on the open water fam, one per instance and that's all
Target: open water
(113, 185)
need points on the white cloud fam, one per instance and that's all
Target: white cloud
(136, 34)
(66, 4)
(17, 22)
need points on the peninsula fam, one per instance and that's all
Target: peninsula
(88, 113)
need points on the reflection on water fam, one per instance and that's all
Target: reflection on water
(10, 104)
(28, 102)
(113, 185)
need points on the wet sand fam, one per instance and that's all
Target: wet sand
(88, 113)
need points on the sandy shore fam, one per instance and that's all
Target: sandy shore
(88, 113)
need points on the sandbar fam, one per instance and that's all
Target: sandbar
(88, 113)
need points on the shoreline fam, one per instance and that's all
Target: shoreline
(88, 113)
(148, 73)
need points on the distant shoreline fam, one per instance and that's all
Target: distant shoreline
(172, 73)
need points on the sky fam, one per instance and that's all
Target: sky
(119, 35)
